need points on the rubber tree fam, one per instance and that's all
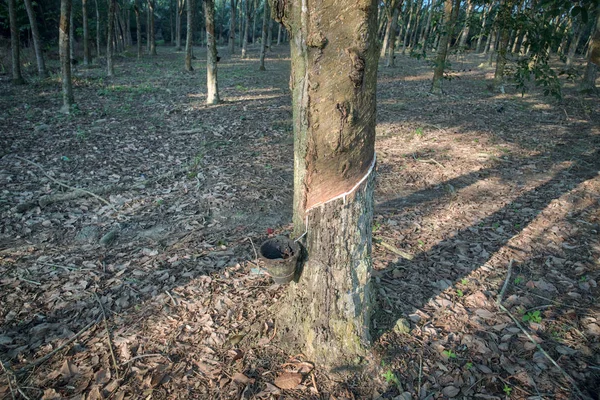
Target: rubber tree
(98, 32)
(451, 8)
(467, 27)
(263, 42)
(110, 68)
(178, 14)
(247, 11)
(37, 41)
(212, 96)
(390, 61)
(151, 30)
(15, 46)
(189, 41)
(504, 22)
(64, 43)
(334, 74)
(588, 83)
(391, 10)
(486, 11)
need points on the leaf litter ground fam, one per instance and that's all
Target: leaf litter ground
(158, 294)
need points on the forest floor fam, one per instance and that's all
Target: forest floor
(152, 289)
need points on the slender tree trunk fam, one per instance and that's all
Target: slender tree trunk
(589, 79)
(232, 23)
(138, 28)
(428, 27)
(110, 68)
(504, 17)
(408, 26)
(212, 96)
(279, 35)
(263, 44)
(483, 23)
(467, 27)
(254, 15)
(328, 311)
(37, 43)
(15, 45)
(245, 35)
(72, 34)
(151, 30)
(413, 40)
(86, 33)
(147, 27)
(64, 43)
(574, 44)
(390, 62)
(178, 12)
(190, 35)
(270, 34)
(450, 13)
(388, 30)
(492, 48)
(98, 44)
(128, 24)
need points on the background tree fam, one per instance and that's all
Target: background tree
(451, 8)
(110, 68)
(17, 76)
(232, 25)
(151, 29)
(263, 42)
(178, 13)
(97, 28)
(328, 310)
(593, 62)
(64, 44)
(212, 95)
(86, 33)
(138, 28)
(189, 42)
(247, 12)
(37, 41)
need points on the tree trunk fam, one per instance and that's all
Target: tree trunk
(407, 28)
(190, 35)
(37, 43)
(246, 25)
(232, 22)
(574, 43)
(427, 29)
(504, 20)
(270, 34)
(492, 48)
(97, 29)
(15, 45)
(71, 35)
(450, 13)
(328, 311)
(388, 29)
(263, 44)
(138, 28)
(254, 14)
(486, 11)
(151, 33)
(589, 79)
(413, 40)
(109, 40)
(178, 12)
(86, 33)
(212, 95)
(128, 25)
(465, 32)
(64, 43)
(390, 62)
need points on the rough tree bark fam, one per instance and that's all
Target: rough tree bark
(64, 43)
(15, 46)
(334, 67)
(212, 95)
(189, 41)
(263, 42)
(110, 68)
(37, 44)
(450, 14)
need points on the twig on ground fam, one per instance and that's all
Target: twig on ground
(110, 346)
(188, 132)
(9, 376)
(144, 356)
(59, 348)
(537, 345)
(171, 297)
(394, 249)
(65, 185)
(508, 273)
(429, 161)
(253, 248)
(29, 281)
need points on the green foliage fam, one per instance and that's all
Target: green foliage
(518, 280)
(459, 293)
(507, 389)
(533, 316)
(391, 377)
(449, 354)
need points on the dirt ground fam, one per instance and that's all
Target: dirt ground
(151, 288)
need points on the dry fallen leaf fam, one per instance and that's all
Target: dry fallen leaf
(288, 380)
(241, 378)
